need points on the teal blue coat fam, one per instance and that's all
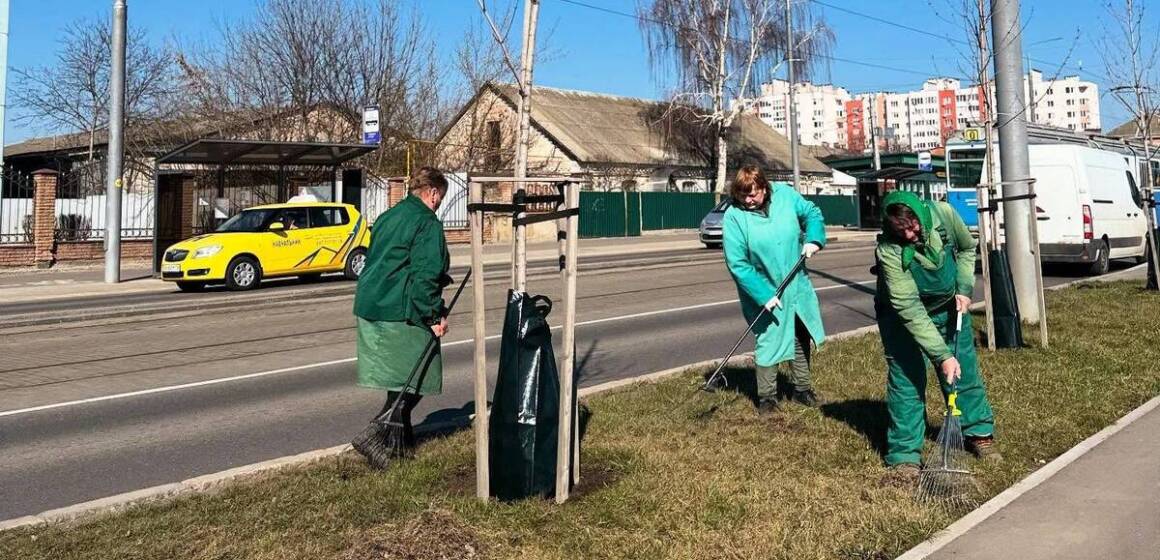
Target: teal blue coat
(761, 246)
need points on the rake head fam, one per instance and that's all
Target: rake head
(944, 477)
(383, 442)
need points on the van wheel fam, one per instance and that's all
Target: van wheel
(1102, 262)
(243, 273)
(355, 262)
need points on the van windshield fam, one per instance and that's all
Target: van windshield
(248, 221)
(721, 206)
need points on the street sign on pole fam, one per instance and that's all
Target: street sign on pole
(371, 133)
(974, 134)
(924, 162)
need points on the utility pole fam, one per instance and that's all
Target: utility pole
(1030, 93)
(3, 81)
(113, 180)
(874, 135)
(793, 132)
(527, 58)
(1014, 163)
(909, 125)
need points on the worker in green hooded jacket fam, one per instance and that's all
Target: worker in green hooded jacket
(926, 276)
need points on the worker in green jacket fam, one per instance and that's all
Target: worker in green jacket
(926, 276)
(399, 299)
(765, 231)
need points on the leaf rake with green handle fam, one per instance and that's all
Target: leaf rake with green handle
(944, 476)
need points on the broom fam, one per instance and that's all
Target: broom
(944, 475)
(385, 438)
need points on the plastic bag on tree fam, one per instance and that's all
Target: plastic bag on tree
(1008, 323)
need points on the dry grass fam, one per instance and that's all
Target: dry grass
(664, 478)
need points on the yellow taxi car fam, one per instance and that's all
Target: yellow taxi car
(304, 239)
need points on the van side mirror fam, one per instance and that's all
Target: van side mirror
(277, 226)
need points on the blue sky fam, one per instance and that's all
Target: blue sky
(600, 51)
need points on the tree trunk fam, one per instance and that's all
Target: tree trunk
(722, 154)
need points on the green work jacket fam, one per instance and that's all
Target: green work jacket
(406, 267)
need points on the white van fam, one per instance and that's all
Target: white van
(1088, 206)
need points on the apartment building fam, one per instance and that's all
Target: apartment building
(916, 120)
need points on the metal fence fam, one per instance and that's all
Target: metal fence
(16, 207)
(81, 205)
(453, 211)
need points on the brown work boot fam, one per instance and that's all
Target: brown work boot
(901, 475)
(984, 448)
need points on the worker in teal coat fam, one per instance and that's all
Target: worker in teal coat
(766, 230)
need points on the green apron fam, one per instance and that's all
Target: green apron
(907, 366)
(388, 351)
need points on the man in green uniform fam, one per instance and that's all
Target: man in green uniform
(926, 275)
(399, 300)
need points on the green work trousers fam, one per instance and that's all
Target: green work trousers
(799, 378)
(906, 385)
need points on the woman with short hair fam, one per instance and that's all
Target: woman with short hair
(766, 229)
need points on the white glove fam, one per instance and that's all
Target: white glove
(771, 304)
(809, 249)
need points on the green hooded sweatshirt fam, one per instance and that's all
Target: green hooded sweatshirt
(897, 288)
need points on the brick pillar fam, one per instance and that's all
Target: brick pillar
(44, 216)
(188, 206)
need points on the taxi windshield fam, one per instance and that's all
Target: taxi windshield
(248, 221)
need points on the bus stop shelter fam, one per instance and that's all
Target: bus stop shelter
(195, 181)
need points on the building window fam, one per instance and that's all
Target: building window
(492, 161)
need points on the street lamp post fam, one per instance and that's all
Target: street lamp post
(113, 179)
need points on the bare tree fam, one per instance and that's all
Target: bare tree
(1130, 53)
(718, 51)
(72, 94)
(316, 64)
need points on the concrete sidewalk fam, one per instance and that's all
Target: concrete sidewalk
(1099, 500)
(78, 281)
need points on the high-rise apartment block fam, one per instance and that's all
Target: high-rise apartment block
(917, 120)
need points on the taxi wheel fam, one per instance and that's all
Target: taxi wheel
(191, 286)
(243, 273)
(355, 262)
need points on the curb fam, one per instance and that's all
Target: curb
(994, 505)
(206, 482)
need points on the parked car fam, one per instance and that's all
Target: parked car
(1088, 206)
(293, 239)
(711, 225)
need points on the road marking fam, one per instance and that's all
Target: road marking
(218, 380)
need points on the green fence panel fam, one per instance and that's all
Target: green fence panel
(602, 214)
(838, 210)
(632, 214)
(671, 210)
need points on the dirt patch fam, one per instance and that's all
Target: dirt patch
(460, 480)
(433, 535)
(594, 475)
